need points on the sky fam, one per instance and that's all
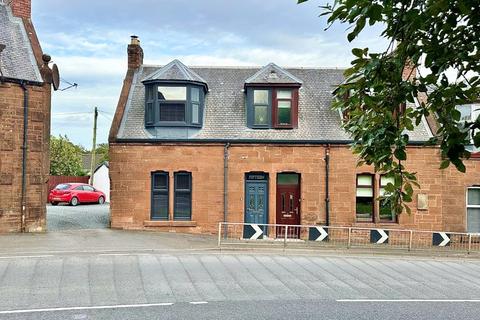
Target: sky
(88, 41)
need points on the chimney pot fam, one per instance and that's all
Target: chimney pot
(135, 40)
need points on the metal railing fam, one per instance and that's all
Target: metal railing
(311, 236)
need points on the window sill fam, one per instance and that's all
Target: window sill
(284, 127)
(169, 223)
(376, 224)
(364, 221)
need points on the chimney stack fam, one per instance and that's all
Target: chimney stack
(135, 53)
(409, 71)
(21, 8)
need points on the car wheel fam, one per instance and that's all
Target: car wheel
(53, 203)
(101, 200)
(74, 201)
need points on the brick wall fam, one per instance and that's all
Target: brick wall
(131, 165)
(11, 140)
(21, 8)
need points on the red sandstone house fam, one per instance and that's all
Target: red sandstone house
(25, 97)
(194, 146)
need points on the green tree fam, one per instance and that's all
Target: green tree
(439, 35)
(101, 152)
(65, 157)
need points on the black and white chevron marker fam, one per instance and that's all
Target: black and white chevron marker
(318, 234)
(378, 236)
(441, 239)
(252, 232)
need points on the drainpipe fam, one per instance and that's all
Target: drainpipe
(24, 156)
(327, 195)
(225, 186)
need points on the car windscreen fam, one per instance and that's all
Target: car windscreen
(62, 186)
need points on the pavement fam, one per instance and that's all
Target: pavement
(84, 216)
(112, 274)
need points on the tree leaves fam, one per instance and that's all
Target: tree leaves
(440, 35)
(65, 157)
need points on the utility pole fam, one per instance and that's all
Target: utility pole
(92, 165)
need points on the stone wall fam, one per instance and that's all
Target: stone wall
(131, 166)
(11, 141)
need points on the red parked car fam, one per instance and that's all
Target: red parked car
(75, 193)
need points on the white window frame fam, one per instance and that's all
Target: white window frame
(469, 206)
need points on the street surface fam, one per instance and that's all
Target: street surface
(231, 285)
(84, 216)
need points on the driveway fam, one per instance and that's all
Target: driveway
(91, 216)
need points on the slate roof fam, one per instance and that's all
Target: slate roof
(16, 60)
(175, 70)
(272, 73)
(225, 114)
(87, 161)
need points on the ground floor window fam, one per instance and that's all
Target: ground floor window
(183, 196)
(364, 202)
(159, 209)
(385, 212)
(368, 207)
(473, 209)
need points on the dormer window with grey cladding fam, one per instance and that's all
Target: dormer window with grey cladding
(174, 105)
(174, 97)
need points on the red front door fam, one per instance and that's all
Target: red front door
(288, 204)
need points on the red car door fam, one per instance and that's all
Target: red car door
(79, 193)
(90, 194)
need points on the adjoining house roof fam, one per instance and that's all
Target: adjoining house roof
(87, 161)
(17, 60)
(225, 111)
(272, 73)
(175, 70)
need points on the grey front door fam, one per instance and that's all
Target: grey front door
(256, 203)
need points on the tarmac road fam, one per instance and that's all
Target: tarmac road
(213, 285)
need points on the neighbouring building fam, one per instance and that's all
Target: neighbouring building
(101, 179)
(25, 98)
(194, 146)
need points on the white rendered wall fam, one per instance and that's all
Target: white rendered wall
(102, 182)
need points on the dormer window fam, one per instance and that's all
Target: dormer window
(272, 98)
(172, 102)
(174, 97)
(468, 114)
(272, 107)
(261, 107)
(173, 105)
(284, 107)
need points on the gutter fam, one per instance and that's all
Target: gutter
(327, 189)
(21, 82)
(24, 156)
(246, 141)
(225, 186)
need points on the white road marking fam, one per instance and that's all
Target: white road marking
(408, 300)
(17, 257)
(198, 302)
(119, 306)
